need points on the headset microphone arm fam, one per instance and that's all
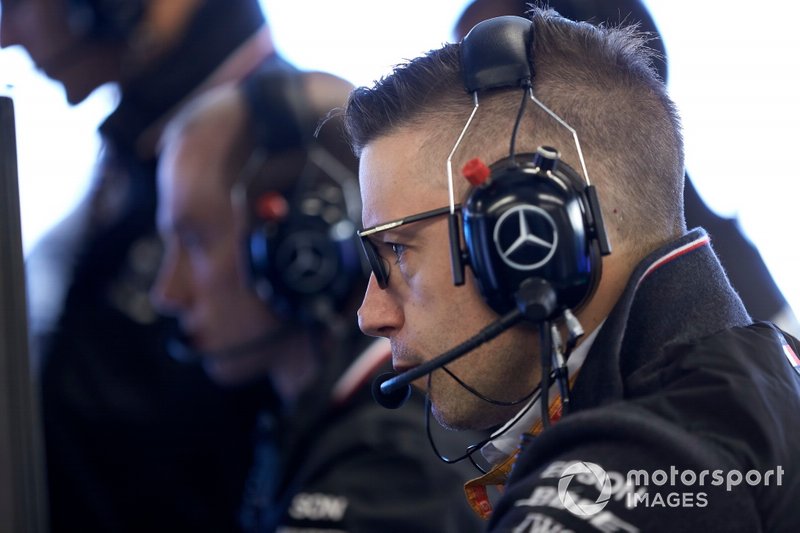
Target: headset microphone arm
(486, 334)
(536, 301)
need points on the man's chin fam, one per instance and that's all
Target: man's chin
(461, 419)
(466, 413)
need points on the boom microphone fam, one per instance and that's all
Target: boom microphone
(391, 388)
(391, 400)
(536, 301)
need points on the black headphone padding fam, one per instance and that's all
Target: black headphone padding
(495, 54)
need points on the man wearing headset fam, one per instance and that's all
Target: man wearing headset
(555, 154)
(740, 258)
(135, 440)
(263, 269)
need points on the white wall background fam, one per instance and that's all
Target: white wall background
(734, 73)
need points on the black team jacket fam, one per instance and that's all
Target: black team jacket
(337, 461)
(690, 411)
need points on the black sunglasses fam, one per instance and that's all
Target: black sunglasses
(378, 264)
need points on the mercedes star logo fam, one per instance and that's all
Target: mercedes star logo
(525, 237)
(305, 263)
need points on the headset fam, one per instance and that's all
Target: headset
(104, 20)
(301, 249)
(529, 215)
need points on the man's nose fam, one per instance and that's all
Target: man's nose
(380, 315)
(170, 293)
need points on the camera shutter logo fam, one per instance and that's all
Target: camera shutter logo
(525, 237)
(593, 472)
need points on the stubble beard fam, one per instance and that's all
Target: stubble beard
(456, 408)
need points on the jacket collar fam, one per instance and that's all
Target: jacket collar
(676, 294)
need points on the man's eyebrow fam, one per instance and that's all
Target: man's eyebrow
(406, 221)
(404, 232)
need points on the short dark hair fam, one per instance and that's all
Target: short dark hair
(600, 80)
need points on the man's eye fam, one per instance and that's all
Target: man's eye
(397, 250)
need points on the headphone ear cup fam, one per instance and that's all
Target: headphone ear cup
(308, 260)
(303, 252)
(529, 222)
